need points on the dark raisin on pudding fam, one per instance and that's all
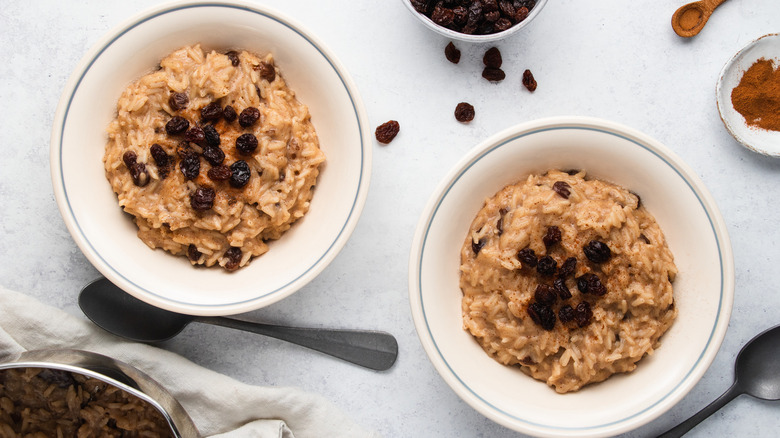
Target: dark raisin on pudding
(240, 174)
(552, 236)
(547, 266)
(249, 116)
(542, 315)
(527, 257)
(176, 125)
(597, 252)
(562, 189)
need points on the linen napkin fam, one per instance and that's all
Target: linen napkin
(220, 406)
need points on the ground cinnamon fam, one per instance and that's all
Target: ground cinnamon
(757, 97)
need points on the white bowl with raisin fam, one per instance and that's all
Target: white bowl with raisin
(246, 203)
(566, 241)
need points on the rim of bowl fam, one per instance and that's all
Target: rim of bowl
(717, 333)
(61, 196)
(449, 33)
(722, 106)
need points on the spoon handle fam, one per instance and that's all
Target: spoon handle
(712, 4)
(371, 349)
(682, 428)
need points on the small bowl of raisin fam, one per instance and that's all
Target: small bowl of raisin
(475, 20)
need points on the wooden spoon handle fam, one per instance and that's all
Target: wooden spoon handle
(710, 5)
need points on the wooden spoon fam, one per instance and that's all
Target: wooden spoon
(691, 18)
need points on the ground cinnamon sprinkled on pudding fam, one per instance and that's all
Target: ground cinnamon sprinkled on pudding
(757, 96)
(569, 278)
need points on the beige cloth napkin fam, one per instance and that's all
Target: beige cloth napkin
(220, 406)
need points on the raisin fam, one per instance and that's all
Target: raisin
(386, 132)
(442, 16)
(560, 287)
(493, 74)
(267, 71)
(176, 125)
(521, 14)
(562, 189)
(545, 294)
(542, 315)
(211, 112)
(461, 15)
(566, 313)
(502, 24)
(214, 155)
(500, 222)
(507, 8)
(162, 160)
(597, 252)
(139, 174)
(178, 101)
(492, 58)
(527, 257)
(210, 135)
(420, 6)
(193, 253)
(240, 174)
(233, 56)
(547, 266)
(528, 81)
(129, 158)
(202, 198)
(249, 116)
(195, 134)
(246, 143)
(464, 112)
(452, 53)
(491, 17)
(233, 258)
(552, 237)
(190, 164)
(61, 378)
(477, 246)
(583, 314)
(591, 284)
(568, 267)
(219, 173)
(229, 113)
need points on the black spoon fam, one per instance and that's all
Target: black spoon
(757, 373)
(124, 315)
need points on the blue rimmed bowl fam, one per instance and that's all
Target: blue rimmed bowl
(695, 232)
(108, 237)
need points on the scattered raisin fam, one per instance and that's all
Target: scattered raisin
(591, 284)
(562, 189)
(493, 74)
(527, 257)
(542, 315)
(492, 58)
(267, 71)
(547, 266)
(211, 112)
(545, 294)
(552, 236)
(597, 252)
(229, 113)
(193, 253)
(477, 246)
(219, 173)
(560, 287)
(452, 53)
(568, 267)
(233, 56)
(195, 134)
(240, 174)
(214, 155)
(233, 258)
(129, 158)
(190, 164)
(386, 132)
(528, 80)
(246, 143)
(566, 313)
(176, 125)
(248, 117)
(162, 160)
(178, 101)
(202, 198)
(583, 314)
(139, 174)
(464, 112)
(210, 135)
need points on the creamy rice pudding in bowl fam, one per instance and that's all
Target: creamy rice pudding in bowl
(571, 277)
(210, 157)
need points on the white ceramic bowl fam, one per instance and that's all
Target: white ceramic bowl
(758, 140)
(451, 34)
(108, 237)
(695, 232)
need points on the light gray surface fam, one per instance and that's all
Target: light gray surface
(613, 59)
